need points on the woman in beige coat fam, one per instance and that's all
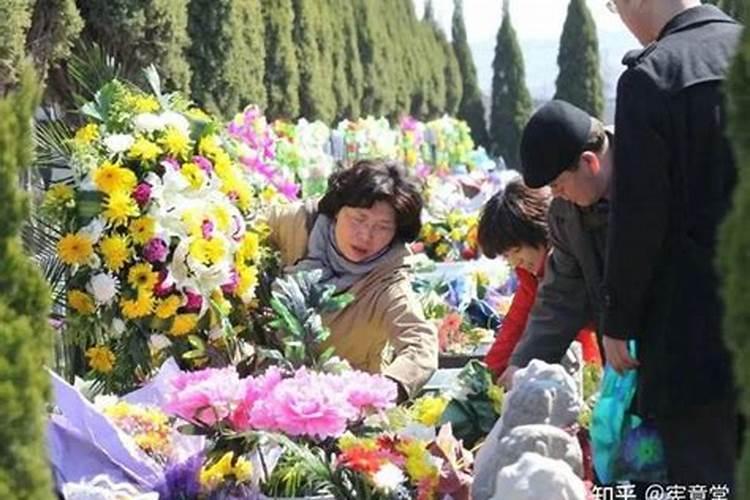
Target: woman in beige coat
(356, 235)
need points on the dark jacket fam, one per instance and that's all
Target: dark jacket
(569, 297)
(673, 181)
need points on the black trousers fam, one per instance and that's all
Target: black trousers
(701, 445)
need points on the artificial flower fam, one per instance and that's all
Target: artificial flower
(75, 249)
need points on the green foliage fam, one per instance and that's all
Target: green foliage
(378, 93)
(453, 85)
(281, 72)
(431, 51)
(227, 54)
(298, 302)
(15, 20)
(471, 109)
(55, 26)
(511, 101)
(579, 81)
(142, 32)
(346, 27)
(734, 259)
(24, 334)
(315, 90)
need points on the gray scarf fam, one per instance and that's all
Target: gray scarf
(323, 254)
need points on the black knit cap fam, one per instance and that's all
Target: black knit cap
(552, 140)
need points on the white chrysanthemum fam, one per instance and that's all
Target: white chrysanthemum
(117, 328)
(103, 287)
(94, 229)
(388, 477)
(148, 122)
(118, 143)
(176, 120)
(159, 342)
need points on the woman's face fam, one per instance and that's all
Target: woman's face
(526, 257)
(363, 232)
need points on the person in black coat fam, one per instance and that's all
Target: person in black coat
(673, 179)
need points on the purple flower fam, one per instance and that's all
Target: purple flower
(170, 163)
(194, 301)
(231, 286)
(142, 193)
(165, 286)
(289, 189)
(409, 123)
(203, 163)
(207, 228)
(181, 480)
(156, 250)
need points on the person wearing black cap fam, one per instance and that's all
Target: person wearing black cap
(673, 184)
(566, 149)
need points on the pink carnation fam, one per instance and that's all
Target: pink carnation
(305, 405)
(255, 388)
(207, 396)
(142, 193)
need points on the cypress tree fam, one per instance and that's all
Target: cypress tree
(315, 91)
(453, 84)
(55, 26)
(353, 72)
(735, 8)
(15, 20)
(396, 55)
(433, 54)
(281, 77)
(378, 93)
(25, 339)
(227, 54)
(142, 32)
(734, 259)
(511, 102)
(579, 81)
(471, 109)
(337, 52)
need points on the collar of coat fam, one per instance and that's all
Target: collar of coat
(693, 17)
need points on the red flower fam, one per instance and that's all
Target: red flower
(361, 459)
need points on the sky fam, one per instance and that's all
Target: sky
(538, 24)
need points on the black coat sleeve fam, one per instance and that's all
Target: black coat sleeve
(640, 201)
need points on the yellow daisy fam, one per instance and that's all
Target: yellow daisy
(145, 104)
(139, 307)
(59, 195)
(116, 251)
(120, 205)
(175, 143)
(183, 324)
(166, 308)
(110, 177)
(75, 248)
(143, 277)
(82, 302)
(206, 251)
(250, 246)
(144, 150)
(194, 175)
(101, 359)
(143, 229)
(248, 279)
(87, 134)
(209, 147)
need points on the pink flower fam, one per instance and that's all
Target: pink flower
(203, 163)
(156, 250)
(231, 286)
(255, 389)
(170, 163)
(207, 228)
(165, 286)
(194, 301)
(365, 391)
(304, 405)
(205, 397)
(142, 193)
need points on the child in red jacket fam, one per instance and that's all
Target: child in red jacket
(514, 224)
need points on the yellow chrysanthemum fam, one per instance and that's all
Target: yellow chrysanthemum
(197, 114)
(213, 475)
(418, 464)
(59, 195)
(243, 470)
(428, 410)
(166, 308)
(457, 234)
(87, 134)
(143, 229)
(75, 248)
(442, 249)
(183, 324)
(110, 177)
(192, 219)
(115, 250)
(119, 207)
(268, 194)
(209, 147)
(143, 277)
(101, 359)
(139, 307)
(349, 441)
(82, 302)
(145, 104)
(250, 247)
(175, 143)
(194, 175)
(206, 251)
(223, 165)
(144, 150)
(222, 217)
(248, 279)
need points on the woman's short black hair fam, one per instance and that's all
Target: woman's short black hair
(369, 181)
(514, 216)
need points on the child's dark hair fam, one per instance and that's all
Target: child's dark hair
(514, 216)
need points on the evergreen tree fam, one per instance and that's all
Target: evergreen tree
(453, 85)
(25, 339)
(281, 72)
(347, 24)
(378, 95)
(734, 259)
(471, 109)
(142, 32)
(396, 56)
(15, 20)
(433, 54)
(511, 102)
(227, 54)
(315, 91)
(337, 54)
(579, 81)
(735, 8)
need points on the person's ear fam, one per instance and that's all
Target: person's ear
(591, 161)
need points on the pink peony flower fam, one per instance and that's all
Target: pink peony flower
(305, 405)
(255, 389)
(207, 396)
(365, 391)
